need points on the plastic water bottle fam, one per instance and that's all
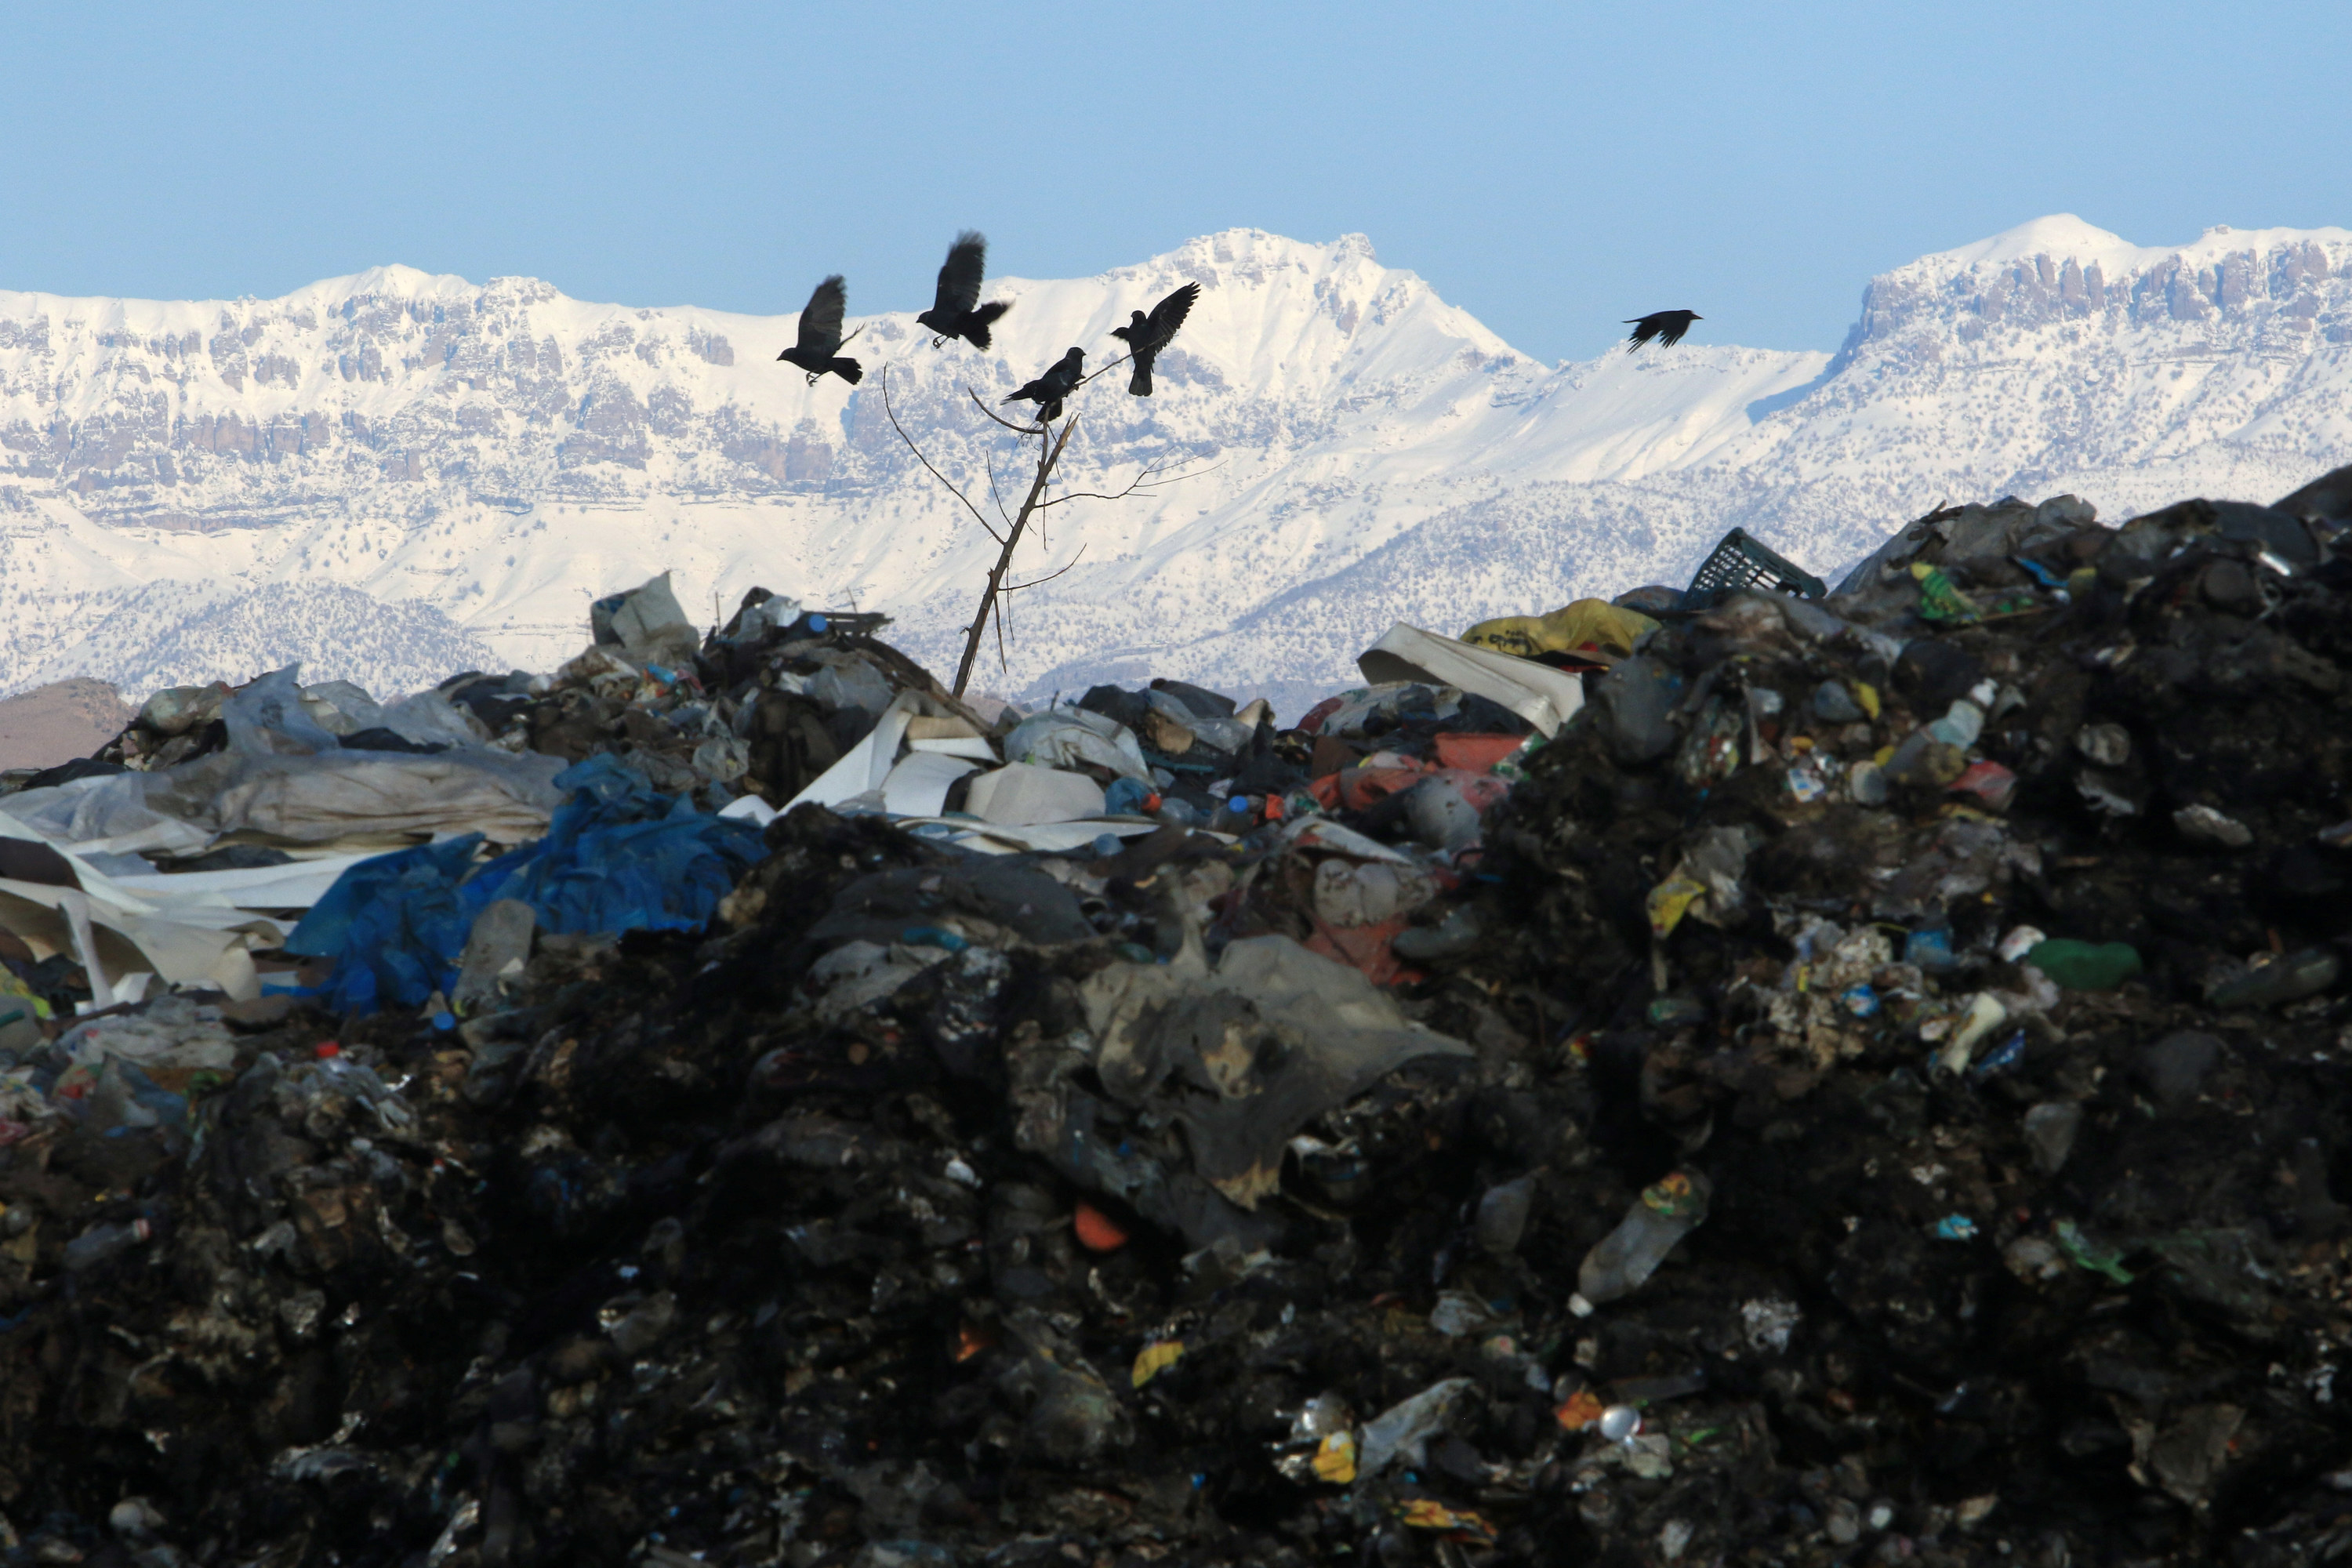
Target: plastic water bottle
(1660, 1218)
(101, 1242)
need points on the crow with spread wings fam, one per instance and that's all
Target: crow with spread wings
(1145, 336)
(957, 311)
(1666, 326)
(819, 347)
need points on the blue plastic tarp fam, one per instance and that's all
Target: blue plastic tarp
(618, 856)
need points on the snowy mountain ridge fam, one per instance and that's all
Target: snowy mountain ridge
(396, 474)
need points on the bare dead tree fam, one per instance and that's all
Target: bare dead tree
(995, 596)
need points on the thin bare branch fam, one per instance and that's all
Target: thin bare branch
(1017, 587)
(993, 414)
(987, 462)
(1111, 366)
(976, 514)
(1151, 479)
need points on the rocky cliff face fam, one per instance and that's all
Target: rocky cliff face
(437, 473)
(2057, 354)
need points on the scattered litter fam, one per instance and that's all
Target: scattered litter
(1858, 1086)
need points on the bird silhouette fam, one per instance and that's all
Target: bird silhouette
(1666, 326)
(957, 311)
(821, 340)
(1146, 335)
(1048, 390)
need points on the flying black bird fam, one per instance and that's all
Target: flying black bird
(1060, 380)
(957, 313)
(821, 337)
(1666, 326)
(1147, 335)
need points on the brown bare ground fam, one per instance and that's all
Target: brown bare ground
(59, 722)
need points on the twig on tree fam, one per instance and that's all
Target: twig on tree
(1037, 429)
(990, 465)
(1148, 479)
(1048, 577)
(1101, 369)
(959, 495)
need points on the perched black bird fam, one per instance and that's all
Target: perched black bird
(957, 313)
(1048, 390)
(1147, 335)
(821, 335)
(1666, 326)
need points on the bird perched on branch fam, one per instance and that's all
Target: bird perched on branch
(821, 340)
(957, 311)
(1146, 335)
(1666, 326)
(1048, 390)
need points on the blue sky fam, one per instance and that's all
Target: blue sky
(1553, 168)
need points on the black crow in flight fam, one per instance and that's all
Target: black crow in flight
(1147, 335)
(957, 313)
(821, 335)
(1048, 390)
(1666, 326)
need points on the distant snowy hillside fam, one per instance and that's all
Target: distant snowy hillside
(403, 474)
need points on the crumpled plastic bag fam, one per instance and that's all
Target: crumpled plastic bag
(429, 718)
(1072, 737)
(395, 925)
(620, 856)
(1276, 1035)
(338, 794)
(267, 718)
(1586, 624)
(647, 624)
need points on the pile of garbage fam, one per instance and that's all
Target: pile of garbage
(1736, 1074)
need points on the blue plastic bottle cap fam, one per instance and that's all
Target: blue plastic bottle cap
(818, 623)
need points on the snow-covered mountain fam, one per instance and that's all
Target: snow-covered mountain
(394, 474)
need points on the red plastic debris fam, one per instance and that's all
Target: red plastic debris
(1989, 782)
(1366, 948)
(1313, 723)
(1097, 1232)
(1478, 754)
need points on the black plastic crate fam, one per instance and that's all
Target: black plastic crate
(1741, 562)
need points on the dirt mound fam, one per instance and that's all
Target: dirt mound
(58, 722)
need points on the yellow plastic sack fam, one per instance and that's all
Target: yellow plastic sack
(1587, 623)
(1154, 1359)
(1334, 1458)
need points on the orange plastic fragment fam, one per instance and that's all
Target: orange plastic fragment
(1580, 1410)
(1098, 1231)
(1478, 754)
(1361, 787)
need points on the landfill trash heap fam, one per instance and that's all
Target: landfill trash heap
(1728, 1075)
